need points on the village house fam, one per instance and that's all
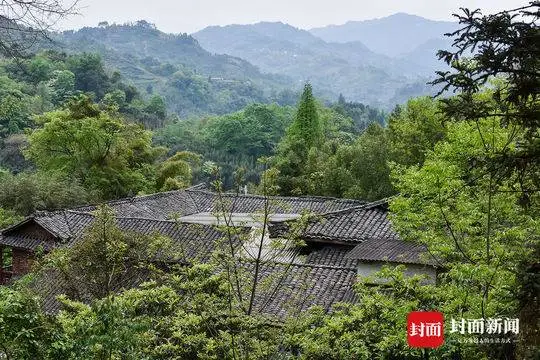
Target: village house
(346, 238)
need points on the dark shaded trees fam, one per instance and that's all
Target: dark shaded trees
(25, 193)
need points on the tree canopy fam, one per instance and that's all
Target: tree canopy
(97, 148)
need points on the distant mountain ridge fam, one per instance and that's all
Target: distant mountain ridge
(350, 68)
(145, 41)
(395, 35)
(223, 68)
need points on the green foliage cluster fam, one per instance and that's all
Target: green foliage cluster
(24, 193)
(230, 141)
(375, 327)
(97, 148)
(342, 165)
(49, 79)
(362, 115)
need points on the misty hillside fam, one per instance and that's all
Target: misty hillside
(191, 79)
(222, 69)
(348, 68)
(395, 35)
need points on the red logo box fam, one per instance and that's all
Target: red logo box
(425, 329)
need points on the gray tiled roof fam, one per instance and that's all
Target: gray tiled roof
(198, 200)
(330, 255)
(208, 201)
(194, 239)
(25, 242)
(50, 284)
(299, 287)
(352, 225)
(349, 226)
(322, 277)
(155, 206)
(303, 286)
(342, 233)
(391, 249)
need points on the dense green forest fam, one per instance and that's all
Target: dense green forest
(460, 171)
(69, 122)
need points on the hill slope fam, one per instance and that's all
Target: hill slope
(192, 80)
(348, 68)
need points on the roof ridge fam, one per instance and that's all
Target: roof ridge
(143, 196)
(195, 205)
(125, 217)
(196, 187)
(336, 213)
(78, 212)
(257, 196)
(129, 199)
(170, 221)
(366, 206)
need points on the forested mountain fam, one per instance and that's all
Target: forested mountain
(192, 80)
(348, 68)
(222, 69)
(395, 35)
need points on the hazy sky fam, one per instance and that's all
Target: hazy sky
(189, 16)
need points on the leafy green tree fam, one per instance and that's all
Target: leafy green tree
(115, 100)
(11, 153)
(185, 315)
(25, 193)
(361, 170)
(254, 131)
(374, 327)
(185, 135)
(8, 218)
(176, 172)
(107, 259)
(97, 148)
(14, 107)
(107, 329)
(305, 132)
(471, 221)
(156, 106)
(362, 115)
(24, 329)
(39, 69)
(62, 83)
(42, 100)
(503, 45)
(90, 75)
(307, 126)
(414, 130)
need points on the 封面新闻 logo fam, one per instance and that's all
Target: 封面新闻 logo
(425, 329)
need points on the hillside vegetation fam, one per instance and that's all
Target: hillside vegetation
(191, 80)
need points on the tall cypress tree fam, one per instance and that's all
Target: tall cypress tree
(307, 125)
(305, 133)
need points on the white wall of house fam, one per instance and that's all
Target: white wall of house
(367, 269)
